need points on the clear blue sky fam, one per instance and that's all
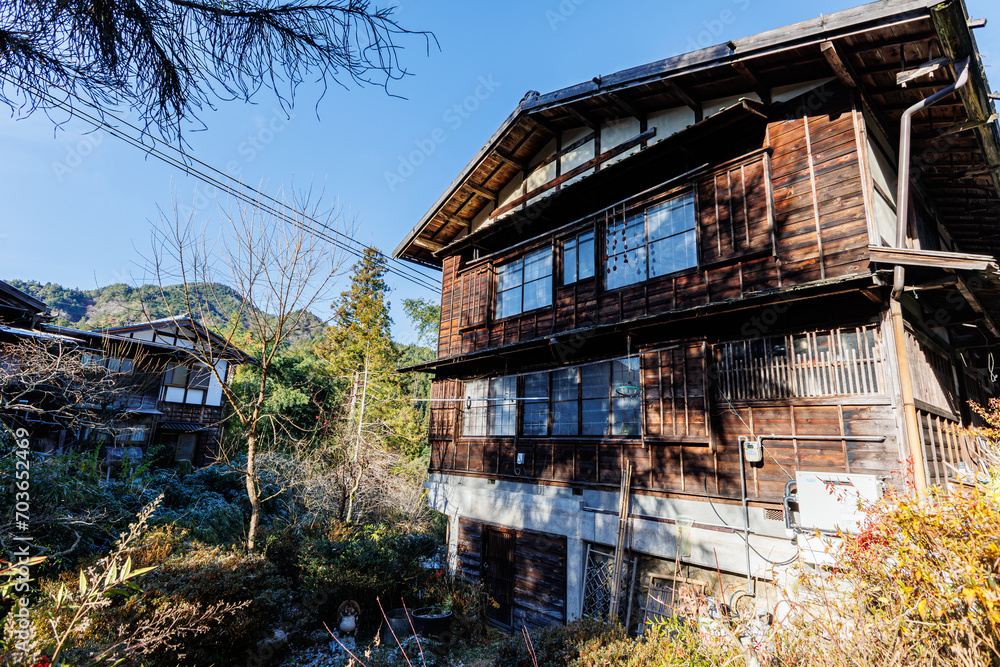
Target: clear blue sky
(77, 207)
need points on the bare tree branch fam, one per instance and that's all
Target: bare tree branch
(280, 272)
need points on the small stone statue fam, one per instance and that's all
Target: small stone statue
(347, 625)
(347, 618)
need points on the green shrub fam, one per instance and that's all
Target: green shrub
(919, 585)
(365, 564)
(72, 513)
(247, 599)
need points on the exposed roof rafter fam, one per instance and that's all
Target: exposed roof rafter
(623, 105)
(699, 112)
(763, 92)
(586, 120)
(839, 64)
(479, 190)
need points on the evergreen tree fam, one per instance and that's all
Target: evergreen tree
(359, 350)
(361, 325)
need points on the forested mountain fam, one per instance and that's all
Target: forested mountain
(120, 304)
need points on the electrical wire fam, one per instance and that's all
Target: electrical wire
(397, 267)
(752, 434)
(746, 539)
(333, 236)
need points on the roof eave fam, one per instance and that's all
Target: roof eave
(871, 14)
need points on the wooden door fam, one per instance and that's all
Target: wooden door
(498, 574)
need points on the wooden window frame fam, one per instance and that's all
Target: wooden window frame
(575, 238)
(496, 292)
(676, 192)
(579, 402)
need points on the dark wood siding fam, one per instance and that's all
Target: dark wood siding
(790, 212)
(733, 208)
(451, 307)
(692, 426)
(818, 194)
(673, 383)
(539, 572)
(783, 456)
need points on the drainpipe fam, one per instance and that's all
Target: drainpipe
(903, 182)
(898, 277)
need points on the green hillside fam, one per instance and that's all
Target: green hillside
(120, 304)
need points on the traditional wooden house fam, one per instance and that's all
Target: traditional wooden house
(167, 399)
(186, 405)
(761, 276)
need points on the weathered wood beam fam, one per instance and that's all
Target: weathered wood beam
(514, 162)
(541, 125)
(902, 78)
(454, 219)
(623, 105)
(920, 38)
(429, 245)
(974, 303)
(699, 112)
(913, 87)
(479, 190)
(930, 258)
(579, 169)
(763, 92)
(838, 62)
(968, 125)
(589, 122)
(939, 283)
(951, 26)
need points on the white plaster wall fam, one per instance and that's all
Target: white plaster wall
(785, 93)
(540, 175)
(173, 394)
(711, 107)
(555, 510)
(576, 157)
(669, 122)
(512, 191)
(214, 388)
(618, 132)
(482, 217)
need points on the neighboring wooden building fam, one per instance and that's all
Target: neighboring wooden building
(189, 401)
(687, 266)
(173, 404)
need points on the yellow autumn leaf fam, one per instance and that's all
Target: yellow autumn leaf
(922, 607)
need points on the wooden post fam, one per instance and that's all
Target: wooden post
(911, 432)
(624, 500)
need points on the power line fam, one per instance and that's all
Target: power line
(333, 236)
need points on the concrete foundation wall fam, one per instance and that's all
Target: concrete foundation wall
(710, 536)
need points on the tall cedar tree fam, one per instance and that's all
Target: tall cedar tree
(360, 336)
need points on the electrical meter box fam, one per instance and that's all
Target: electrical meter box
(832, 501)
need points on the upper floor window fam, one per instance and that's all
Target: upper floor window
(524, 283)
(654, 241)
(490, 406)
(591, 400)
(182, 376)
(578, 258)
(176, 376)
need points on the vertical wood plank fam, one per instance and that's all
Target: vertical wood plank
(815, 199)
